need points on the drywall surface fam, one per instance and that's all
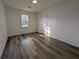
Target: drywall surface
(3, 32)
(14, 21)
(63, 21)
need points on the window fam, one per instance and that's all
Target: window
(25, 20)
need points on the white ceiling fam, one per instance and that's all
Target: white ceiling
(24, 4)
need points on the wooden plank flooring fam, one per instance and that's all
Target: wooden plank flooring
(38, 46)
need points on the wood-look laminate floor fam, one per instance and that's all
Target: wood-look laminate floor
(37, 46)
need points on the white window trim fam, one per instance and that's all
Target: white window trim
(26, 25)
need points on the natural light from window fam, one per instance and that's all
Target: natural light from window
(25, 20)
(46, 30)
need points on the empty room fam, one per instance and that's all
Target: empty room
(39, 29)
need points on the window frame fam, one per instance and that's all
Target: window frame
(27, 24)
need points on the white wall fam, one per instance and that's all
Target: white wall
(63, 20)
(14, 21)
(3, 32)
